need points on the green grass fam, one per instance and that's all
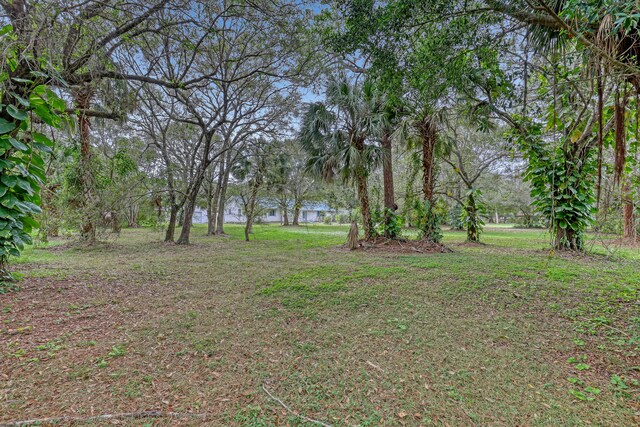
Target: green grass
(505, 333)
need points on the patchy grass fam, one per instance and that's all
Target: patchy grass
(501, 334)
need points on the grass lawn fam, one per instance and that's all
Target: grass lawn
(500, 334)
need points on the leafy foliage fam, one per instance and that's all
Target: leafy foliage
(21, 149)
(428, 221)
(387, 222)
(562, 187)
(471, 215)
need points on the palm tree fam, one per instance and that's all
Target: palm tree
(338, 136)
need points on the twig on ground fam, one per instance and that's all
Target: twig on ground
(582, 319)
(373, 365)
(103, 417)
(307, 419)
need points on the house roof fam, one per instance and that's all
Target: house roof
(316, 207)
(306, 206)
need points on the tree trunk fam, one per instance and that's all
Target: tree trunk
(222, 198)
(171, 227)
(427, 130)
(567, 239)
(132, 216)
(115, 222)
(88, 229)
(248, 227)
(387, 174)
(187, 219)
(363, 197)
(181, 216)
(211, 212)
(213, 203)
(190, 206)
(363, 192)
(429, 138)
(473, 232)
(627, 212)
(285, 215)
(296, 213)
(352, 238)
(250, 209)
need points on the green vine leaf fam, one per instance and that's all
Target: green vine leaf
(6, 126)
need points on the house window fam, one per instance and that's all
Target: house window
(239, 211)
(304, 215)
(272, 212)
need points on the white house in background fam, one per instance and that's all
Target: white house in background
(234, 212)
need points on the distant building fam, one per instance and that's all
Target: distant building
(271, 212)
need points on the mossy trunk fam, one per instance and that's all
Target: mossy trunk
(473, 228)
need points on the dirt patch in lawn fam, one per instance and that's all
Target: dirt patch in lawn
(401, 246)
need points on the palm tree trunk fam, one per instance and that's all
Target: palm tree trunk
(429, 138)
(473, 233)
(427, 129)
(387, 174)
(363, 197)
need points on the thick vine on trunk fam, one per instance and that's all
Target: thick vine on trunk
(473, 229)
